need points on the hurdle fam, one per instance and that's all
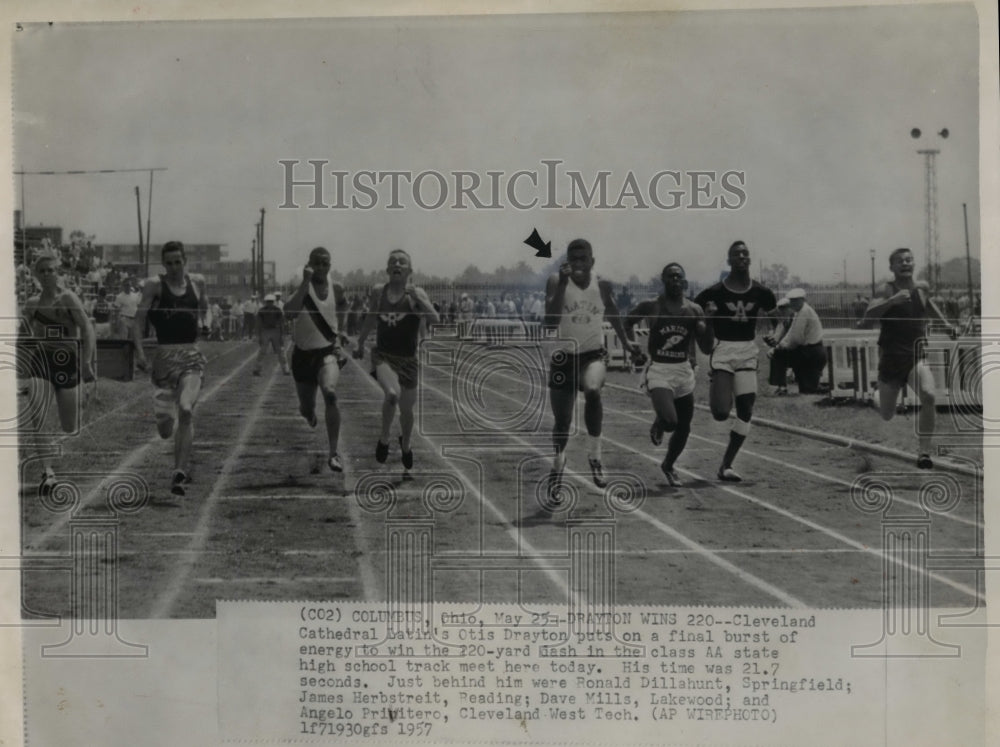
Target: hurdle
(852, 368)
(617, 355)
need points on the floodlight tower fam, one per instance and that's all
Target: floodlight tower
(930, 207)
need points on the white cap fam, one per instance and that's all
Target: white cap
(795, 293)
(269, 297)
(782, 302)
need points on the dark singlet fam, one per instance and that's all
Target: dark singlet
(398, 326)
(903, 323)
(175, 317)
(736, 314)
(53, 327)
(670, 334)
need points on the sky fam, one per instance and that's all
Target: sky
(809, 111)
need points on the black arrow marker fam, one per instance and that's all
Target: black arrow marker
(544, 248)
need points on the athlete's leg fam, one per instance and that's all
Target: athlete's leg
(188, 389)
(39, 397)
(684, 408)
(562, 401)
(329, 374)
(306, 391)
(165, 411)
(407, 401)
(592, 379)
(389, 381)
(720, 394)
(745, 390)
(888, 394)
(663, 406)
(68, 405)
(922, 381)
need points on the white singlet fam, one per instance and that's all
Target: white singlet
(583, 316)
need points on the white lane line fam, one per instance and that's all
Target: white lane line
(813, 525)
(277, 580)
(146, 392)
(175, 584)
(511, 530)
(794, 517)
(134, 457)
(788, 465)
(693, 546)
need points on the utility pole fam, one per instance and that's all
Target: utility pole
(260, 254)
(930, 208)
(138, 211)
(968, 257)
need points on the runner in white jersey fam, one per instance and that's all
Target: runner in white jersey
(319, 307)
(578, 302)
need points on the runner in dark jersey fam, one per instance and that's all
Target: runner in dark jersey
(177, 307)
(903, 307)
(733, 306)
(59, 350)
(674, 324)
(395, 312)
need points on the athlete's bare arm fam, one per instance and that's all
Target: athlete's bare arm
(642, 310)
(149, 292)
(294, 304)
(704, 333)
(611, 314)
(87, 336)
(204, 315)
(884, 301)
(423, 303)
(555, 295)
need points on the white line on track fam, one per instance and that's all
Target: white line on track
(168, 597)
(692, 546)
(277, 580)
(787, 465)
(519, 540)
(813, 525)
(788, 514)
(134, 457)
(285, 497)
(126, 403)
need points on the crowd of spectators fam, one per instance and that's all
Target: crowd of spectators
(110, 294)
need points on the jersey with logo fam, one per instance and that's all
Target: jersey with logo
(582, 316)
(670, 333)
(398, 325)
(735, 317)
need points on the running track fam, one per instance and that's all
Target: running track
(265, 519)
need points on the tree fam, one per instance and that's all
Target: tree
(470, 274)
(774, 276)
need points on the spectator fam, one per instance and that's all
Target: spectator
(270, 326)
(250, 309)
(102, 315)
(801, 347)
(127, 302)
